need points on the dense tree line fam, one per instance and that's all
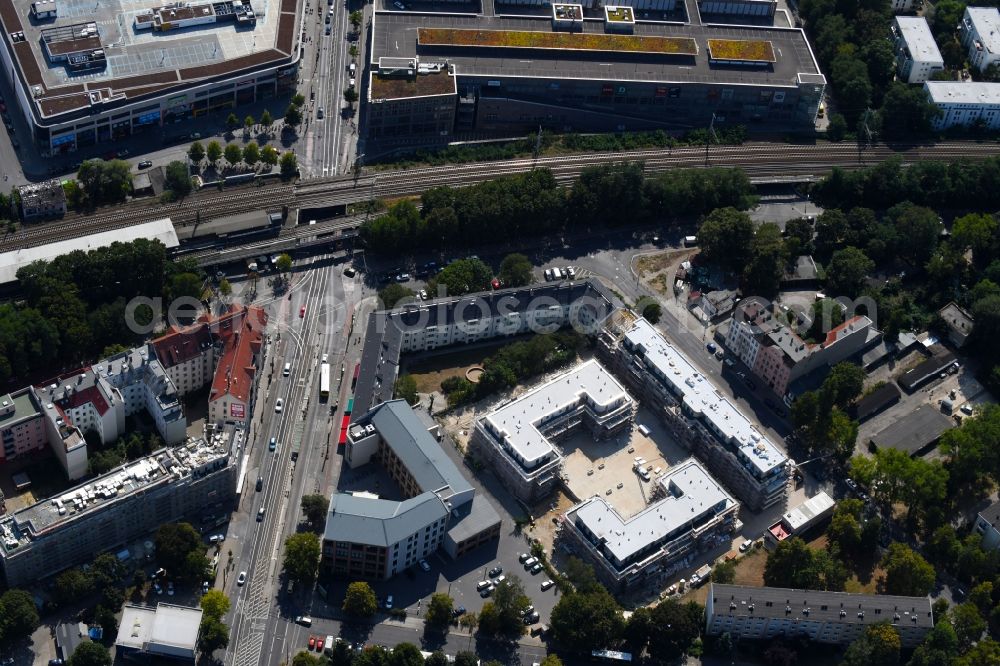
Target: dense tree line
(74, 306)
(820, 417)
(513, 364)
(533, 204)
(103, 458)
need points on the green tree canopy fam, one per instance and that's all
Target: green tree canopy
(847, 271)
(212, 635)
(725, 237)
(174, 542)
(233, 153)
(462, 277)
(105, 182)
(516, 270)
(268, 155)
(289, 164)
(18, 616)
(439, 610)
(586, 621)
(178, 179)
(906, 572)
(251, 153)
(302, 553)
(406, 654)
(393, 293)
(406, 388)
(314, 508)
(214, 603)
(879, 646)
(196, 152)
(89, 653)
(360, 600)
(213, 151)
(793, 564)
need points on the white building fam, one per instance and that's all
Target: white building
(695, 514)
(517, 438)
(965, 103)
(979, 32)
(164, 631)
(988, 525)
(698, 414)
(917, 54)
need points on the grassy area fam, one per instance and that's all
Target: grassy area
(523, 39)
(430, 372)
(747, 50)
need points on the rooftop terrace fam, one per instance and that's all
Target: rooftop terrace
(565, 41)
(418, 85)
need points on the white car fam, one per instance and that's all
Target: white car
(746, 545)
(548, 274)
(388, 602)
(278, 405)
(242, 578)
(324, 358)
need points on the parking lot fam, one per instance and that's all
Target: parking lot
(599, 468)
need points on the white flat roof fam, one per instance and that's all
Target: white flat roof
(161, 230)
(957, 92)
(691, 493)
(986, 21)
(808, 510)
(519, 419)
(919, 39)
(703, 398)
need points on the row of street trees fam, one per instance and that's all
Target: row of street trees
(250, 155)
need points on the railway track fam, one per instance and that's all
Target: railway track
(760, 160)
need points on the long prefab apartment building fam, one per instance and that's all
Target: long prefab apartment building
(436, 74)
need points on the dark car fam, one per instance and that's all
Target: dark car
(496, 571)
(458, 611)
(145, 164)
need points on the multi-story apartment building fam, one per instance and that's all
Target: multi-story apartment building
(583, 304)
(979, 33)
(899, 6)
(965, 103)
(695, 514)
(118, 507)
(988, 525)
(187, 355)
(517, 439)
(370, 537)
(765, 340)
(833, 618)
(22, 425)
(697, 413)
(917, 54)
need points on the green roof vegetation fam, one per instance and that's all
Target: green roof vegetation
(419, 85)
(621, 14)
(519, 39)
(750, 50)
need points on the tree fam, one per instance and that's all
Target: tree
(406, 388)
(837, 129)
(73, 585)
(969, 624)
(284, 263)
(724, 572)
(356, 17)
(583, 622)
(214, 603)
(406, 654)
(360, 600)
(196, 152)
(303, 658)
(393, 293)
(516, 270)
(268, 155)
(314, 507)
(212, 635)
(878, 646)
(489, 619)
(909, 110)
(793, 564)
(464, 658)
(461, 277)
(232, 122)
(214, 151)
(844, 384)
(350, 96)
(437, 658)
(298, 99)
(581, 575)
(251, 153)
(233, 153)
(106, 569)
(289, 165)
(178, 179)
(105, 618)
(940, 646)
(225, 288)
(551, 660)
(510, 602)
(906, 572)
(978, 233)
(174, 542)
(439, 610)
(89, 653)
(675, 628)
(266, 120)
(293, 116)
(798, 237)
(725, 237)
(652, 312)
(248, 122)
(104, 182)
(18, 616)
(302, 552)
(918, 229)
(847, 271)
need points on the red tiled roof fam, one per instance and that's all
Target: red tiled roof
(180, 345)
(90, 394)
(831, 337)
(243, 332)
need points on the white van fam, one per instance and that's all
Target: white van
(288, 369)
(530, 562)
(643, 430)
(557, 274)
(353, 68)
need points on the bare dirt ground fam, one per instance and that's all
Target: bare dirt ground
(430, 371)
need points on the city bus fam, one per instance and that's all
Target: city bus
(324, 381)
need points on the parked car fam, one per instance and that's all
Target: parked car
(746, 545)
(711, 347)
(312, 642)
(319, 644)
(145, 164)
(278, 405)
(546, 584)
(523, 557)
(496, 571)
(486, 591)
(403, 277)
(216, 538)
(457, 612)
(424, 565)
(122, 154)
(388, 602)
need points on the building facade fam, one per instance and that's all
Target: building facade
(832, 618)
(517, 439)
(988, 525)
(979, 33)
(697, 413)
(118, 507)
(917, 54)
(41, 200)
(22, 425)
(370, 537)
(965, 103)
(690, 513)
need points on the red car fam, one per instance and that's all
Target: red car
(302, 311)
(496, 284)
(319, 644)
(312, 642)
